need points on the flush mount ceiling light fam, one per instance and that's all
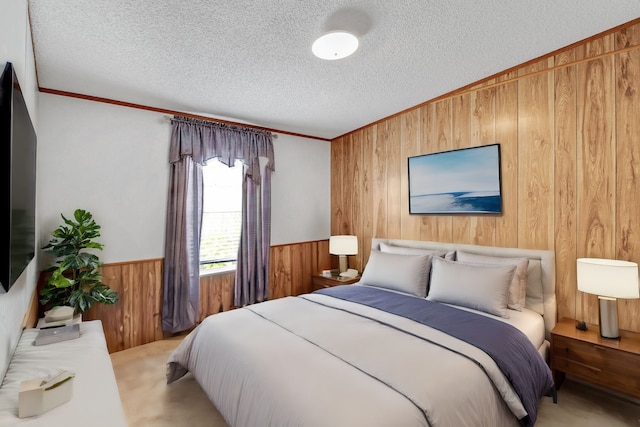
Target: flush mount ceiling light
(335, 45)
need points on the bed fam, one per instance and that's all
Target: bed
(434, 334)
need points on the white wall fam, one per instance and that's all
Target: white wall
(301, 190)
(16, 47)
(112, 161)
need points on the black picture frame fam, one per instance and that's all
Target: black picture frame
(463, 181)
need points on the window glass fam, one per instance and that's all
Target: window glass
(221, 216)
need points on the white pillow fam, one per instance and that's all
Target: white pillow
(404, 273)
(518, 288)
(403, 250)
(535, 288)
(450, 256)
(477, 286)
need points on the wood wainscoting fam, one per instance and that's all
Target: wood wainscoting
(137, 317)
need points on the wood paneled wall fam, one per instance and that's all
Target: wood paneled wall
(291, 267)
(569, 129)
(136, 318)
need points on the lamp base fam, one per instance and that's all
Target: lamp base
(609, 318)
(343, 263)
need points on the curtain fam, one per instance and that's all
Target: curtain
(252, 273)
(193, 143)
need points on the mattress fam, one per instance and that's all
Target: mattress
(527, 321)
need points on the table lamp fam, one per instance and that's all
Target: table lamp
(343, 246)
(609, 279)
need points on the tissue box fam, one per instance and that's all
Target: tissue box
(41, 395)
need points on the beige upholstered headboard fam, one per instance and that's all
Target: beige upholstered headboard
(541, 283)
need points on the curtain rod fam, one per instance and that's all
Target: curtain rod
(206, 119)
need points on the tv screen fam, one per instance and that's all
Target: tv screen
(465, 181)
(18, 192)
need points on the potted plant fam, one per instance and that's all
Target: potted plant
(75, 279)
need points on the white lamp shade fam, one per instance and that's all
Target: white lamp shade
(343, 245)
(608, 277)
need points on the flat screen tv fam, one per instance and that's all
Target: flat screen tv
(18, 180)
(465, 181)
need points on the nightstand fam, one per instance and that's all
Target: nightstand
(609, 363)
(319, 282)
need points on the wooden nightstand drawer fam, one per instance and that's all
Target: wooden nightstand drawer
(613, 364)
(597, 357)
(602, 376)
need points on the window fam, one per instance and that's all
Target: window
(221, 216)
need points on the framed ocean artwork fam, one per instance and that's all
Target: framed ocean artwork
(465, 181)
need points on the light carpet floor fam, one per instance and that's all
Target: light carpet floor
(149, 402)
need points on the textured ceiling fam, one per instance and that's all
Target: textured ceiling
(251, 60)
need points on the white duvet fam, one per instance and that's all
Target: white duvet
(312, 361)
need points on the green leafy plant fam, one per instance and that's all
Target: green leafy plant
(75, 277)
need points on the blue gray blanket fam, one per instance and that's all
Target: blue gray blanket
(512, 351)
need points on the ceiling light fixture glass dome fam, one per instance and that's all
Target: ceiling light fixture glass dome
(335, 45)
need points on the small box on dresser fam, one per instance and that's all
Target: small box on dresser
(318, 281)
(610, 363)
